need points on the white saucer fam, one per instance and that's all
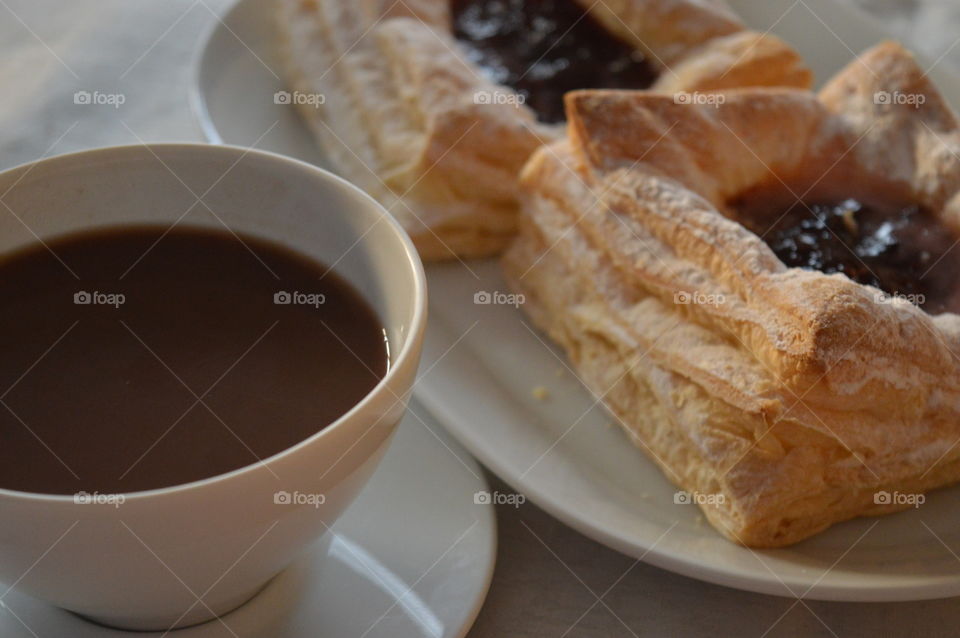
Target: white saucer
(412, 557)
(586, 474)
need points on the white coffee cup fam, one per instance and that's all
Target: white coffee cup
(181, 555)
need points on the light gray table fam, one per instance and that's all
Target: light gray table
(550, 581)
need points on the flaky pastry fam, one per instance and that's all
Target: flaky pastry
(413, 114)
(795, 398)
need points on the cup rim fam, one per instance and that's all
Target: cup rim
(408, 350)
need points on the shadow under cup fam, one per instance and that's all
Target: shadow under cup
(177, 556)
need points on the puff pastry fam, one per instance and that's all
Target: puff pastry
(800, 398)
(400, 116)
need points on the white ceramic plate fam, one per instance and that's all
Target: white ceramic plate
(559, 451)
(412, 557)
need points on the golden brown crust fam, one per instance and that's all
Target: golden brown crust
(796, 395)
(401, 119)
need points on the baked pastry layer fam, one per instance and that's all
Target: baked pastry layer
(797, 396)
(402, 118)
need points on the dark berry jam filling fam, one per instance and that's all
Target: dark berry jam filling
(904, 251)
(544, 48)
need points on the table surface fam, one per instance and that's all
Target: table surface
(550, 580)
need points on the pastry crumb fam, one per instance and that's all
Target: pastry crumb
(540, 393)
(850, 221)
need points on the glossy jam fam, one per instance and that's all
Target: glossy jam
(903, 251)
(544, 48)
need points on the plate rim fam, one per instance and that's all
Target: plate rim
(196, 96)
